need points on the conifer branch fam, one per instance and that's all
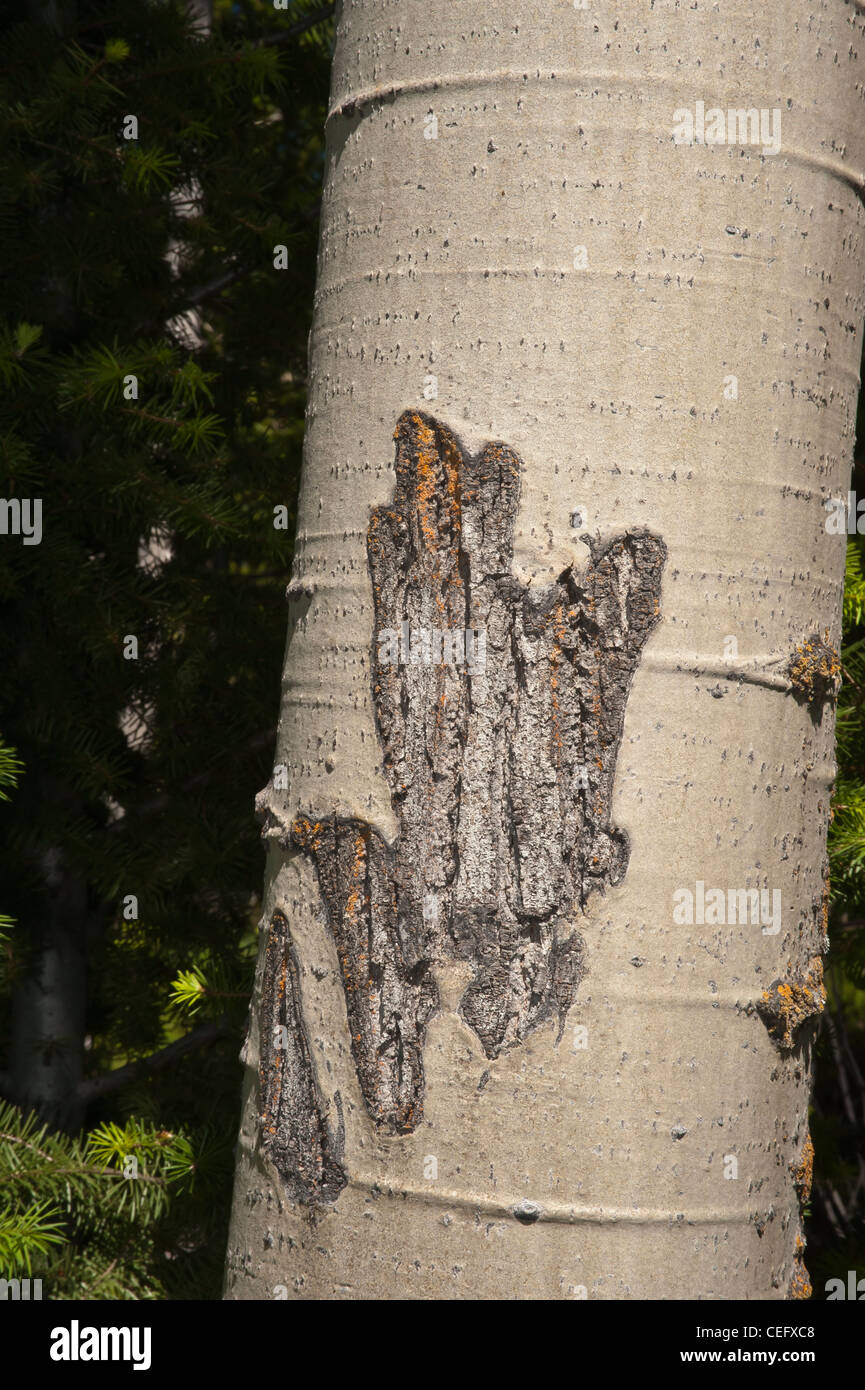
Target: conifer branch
(111, 1081)
(295, 30)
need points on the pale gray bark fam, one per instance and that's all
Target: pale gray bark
(434, 1107)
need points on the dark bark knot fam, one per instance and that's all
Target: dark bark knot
(789, 1003)
(815, 674)
(500, 711)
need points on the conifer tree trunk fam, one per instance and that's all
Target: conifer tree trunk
(541, 962)
(46, 1058)
(58, 15)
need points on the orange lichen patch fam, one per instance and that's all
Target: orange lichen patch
(787, 1004)
(800, 1283)
(356, 875)
(429, 460)
(306, 833)
(803, 1172)
(815, 670)
(824, 908)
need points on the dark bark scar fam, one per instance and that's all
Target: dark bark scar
(294, 1128)
(499, 712)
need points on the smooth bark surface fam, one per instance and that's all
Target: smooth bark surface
(509, 1039)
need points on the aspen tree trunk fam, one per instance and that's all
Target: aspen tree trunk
(546, 894)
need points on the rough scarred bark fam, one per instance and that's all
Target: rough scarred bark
(500, 835)
(294, 1130)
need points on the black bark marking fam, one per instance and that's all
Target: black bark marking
(500, 771)
(294, 1130)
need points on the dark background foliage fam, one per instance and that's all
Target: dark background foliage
(153, 258)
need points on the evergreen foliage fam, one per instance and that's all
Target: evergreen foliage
(149, 258)
(837, 1214)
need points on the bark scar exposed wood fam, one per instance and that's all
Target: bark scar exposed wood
(500, 711)
(294, 1131)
